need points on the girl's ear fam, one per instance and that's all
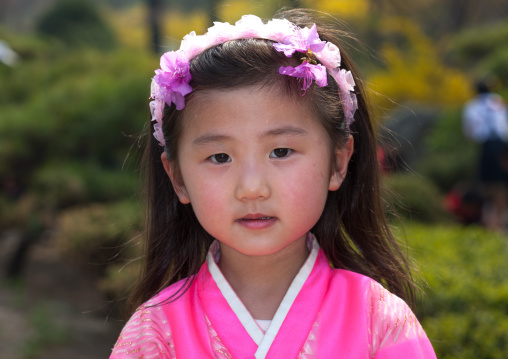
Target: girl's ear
(342, 157)
(176, 179)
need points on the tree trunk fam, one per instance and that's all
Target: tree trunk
(154, 15)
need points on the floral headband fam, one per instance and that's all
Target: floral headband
(171, 83)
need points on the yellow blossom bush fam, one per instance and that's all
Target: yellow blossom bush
(356, 9)
(415, 72)
(129, 25)
(131, 28)
(231, 11)
(177, 24)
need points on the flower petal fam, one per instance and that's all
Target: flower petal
(154, 90)
(179, 100)
(344, 79)
(348, 98)
(221, 32)
(249, 26)
(308, 72)
(329, 56)
(278, 29)
(158, 134)
(319, 73)
(156, 109)
(288, 48)
(193, 45)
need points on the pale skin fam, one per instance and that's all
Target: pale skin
(262, 281)
(256, 167)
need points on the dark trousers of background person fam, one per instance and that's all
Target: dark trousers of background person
(493, 177)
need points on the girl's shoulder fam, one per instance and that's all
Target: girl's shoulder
(393, 327)
(148, 333)
(365, 287)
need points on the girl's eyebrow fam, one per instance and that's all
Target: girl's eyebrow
(280, 131)
(286, 130)
(210, 137)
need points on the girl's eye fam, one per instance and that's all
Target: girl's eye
(280, 152)
(220, 158)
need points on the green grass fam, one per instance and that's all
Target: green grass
(465, 307)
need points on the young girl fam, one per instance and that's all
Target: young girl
(266, 235)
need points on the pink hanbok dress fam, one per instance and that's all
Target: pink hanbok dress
(326, 313)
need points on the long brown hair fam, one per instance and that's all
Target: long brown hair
(352, 230)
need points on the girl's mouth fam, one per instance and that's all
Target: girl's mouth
(256, 221)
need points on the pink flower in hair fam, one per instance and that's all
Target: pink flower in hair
(346, 84)
(173, 79)
(329, 56)
(193, 45)
(157, 109)
(249, 26)
(158, 134)
(221, 32)
(308, 72)
(278, 29)
(301, 40)
(350, 105)
(344, 79)
(171, 83)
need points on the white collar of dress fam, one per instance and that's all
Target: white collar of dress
(262, 339)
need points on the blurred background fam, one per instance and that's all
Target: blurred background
(74, 84)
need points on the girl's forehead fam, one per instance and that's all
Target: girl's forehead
(259, 97)
(252, 108)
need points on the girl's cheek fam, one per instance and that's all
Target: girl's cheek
(211, 191)
(304, 181)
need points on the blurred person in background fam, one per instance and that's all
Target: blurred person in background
(7, 55)
(485, 121)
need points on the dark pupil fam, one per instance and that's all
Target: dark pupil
(221, 157)
(281, 152)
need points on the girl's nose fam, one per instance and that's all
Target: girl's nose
(252, 184)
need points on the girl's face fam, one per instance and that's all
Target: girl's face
(256, 166)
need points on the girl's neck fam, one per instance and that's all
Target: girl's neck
(261, 282)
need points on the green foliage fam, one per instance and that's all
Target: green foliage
(484, 50)
(479, 42)
(69, 126)
(450, 157)
(414, 197)
(45, 331)
(77, 23)
(465, 310)
(20, 212)
(108, 235)
(496, 63)
(99, 231)
(71, 118)
(119, 278)
(7, 212)
(68, 183)
(87, 101)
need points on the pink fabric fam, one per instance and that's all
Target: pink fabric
(337, 314)
(146, 334)
(303, 313)
(221, 317)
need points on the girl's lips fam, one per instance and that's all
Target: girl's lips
(256, 221)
